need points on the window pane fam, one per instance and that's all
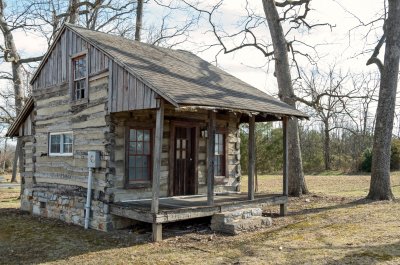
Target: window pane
(55, 143)
(139, 135)
(146, 161)
(132, 148)
(132, 161)
(183, 154)
(132, 135)
(146, 149)
(145, 173)
(146, 135)
(67, 138)
(218, 165)
(139, 146)
(139, 161)
(80, 67)
(67, 148)
(139, 154)
(138, 173)
(131, 173)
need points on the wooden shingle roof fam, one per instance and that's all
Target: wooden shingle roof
(183, 78)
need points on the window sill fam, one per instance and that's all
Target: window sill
(79, 102)
(60, 154)
(138, 185)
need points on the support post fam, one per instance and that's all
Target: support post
(283, 211)
(210, 158)
(157, 228)
(157, 232)
(252, 156)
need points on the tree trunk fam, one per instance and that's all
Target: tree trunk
(139, 16)
(73, 11)
(11, 55)
(327, 147)
(380, 187)
(297, 184)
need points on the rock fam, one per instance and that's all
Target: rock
(239, 221)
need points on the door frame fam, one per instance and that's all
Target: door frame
(171, 162)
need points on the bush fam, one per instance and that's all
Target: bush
(366, 162)
(394, 157)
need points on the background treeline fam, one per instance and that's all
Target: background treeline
(349, 152)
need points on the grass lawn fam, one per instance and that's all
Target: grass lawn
(333, 225)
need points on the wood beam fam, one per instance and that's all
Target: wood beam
(157, 228)
(252, 157)
(157, 156)
(157, 232)
(283, 209)
(210, 158)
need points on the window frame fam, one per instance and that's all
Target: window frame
(73, 81)
(142, 183)
(61, 153)
(224, 167)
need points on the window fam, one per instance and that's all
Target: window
(60, 143)
(219, 157)
(79, 77)
(139, 155)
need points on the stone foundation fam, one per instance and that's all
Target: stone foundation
(67, 203)
(239, 221)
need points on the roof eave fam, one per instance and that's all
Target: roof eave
(26, 110)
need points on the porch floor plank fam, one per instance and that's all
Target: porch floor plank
(192, 206)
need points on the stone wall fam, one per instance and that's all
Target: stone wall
(67, 203)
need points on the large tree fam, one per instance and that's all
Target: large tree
(277, 49)
(380, 187)
(297, 184)
(10, 54)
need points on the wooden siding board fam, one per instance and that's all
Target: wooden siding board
(56, 69)
(125, 91)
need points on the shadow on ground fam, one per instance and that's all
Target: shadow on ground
(26, 239)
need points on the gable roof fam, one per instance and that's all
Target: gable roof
(183, 78)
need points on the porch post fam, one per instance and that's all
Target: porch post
(210, 158)
(157, 228)
(283, 211)
(252, 156)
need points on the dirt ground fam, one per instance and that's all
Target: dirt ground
(332, 225)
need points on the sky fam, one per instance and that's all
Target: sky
(337, 45)
(341, 45)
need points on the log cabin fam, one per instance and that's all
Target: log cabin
(163, 125)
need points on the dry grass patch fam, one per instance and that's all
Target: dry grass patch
(338, 228)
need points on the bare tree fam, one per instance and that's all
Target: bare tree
(10, 54)
(325, 94)
(279, 49)
(380, 187)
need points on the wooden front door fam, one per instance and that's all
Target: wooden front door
(184, 161)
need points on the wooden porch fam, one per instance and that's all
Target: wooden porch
(162, 210)
(172, 209)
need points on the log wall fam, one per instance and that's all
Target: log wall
(88, 124)
(146, 118)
